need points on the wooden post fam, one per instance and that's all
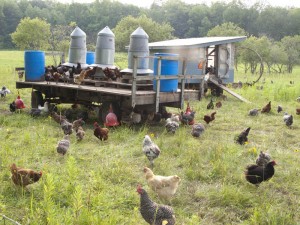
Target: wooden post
(158, 84)
(133, 88)
(182, 84)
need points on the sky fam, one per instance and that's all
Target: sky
(147, 3)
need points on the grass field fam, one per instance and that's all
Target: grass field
(95, 182)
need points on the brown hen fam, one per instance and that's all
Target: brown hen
(209, 117)
(100, 133)
(266, 108)
(24, 177)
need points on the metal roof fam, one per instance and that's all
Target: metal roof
(194, 42)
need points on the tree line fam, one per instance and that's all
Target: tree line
(273, 31)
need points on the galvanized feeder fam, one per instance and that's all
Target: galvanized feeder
(105, 49)
(138, 47)
(77, 50)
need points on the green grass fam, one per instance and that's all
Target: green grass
(95, 182)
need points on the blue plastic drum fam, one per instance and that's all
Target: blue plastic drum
(34, 65)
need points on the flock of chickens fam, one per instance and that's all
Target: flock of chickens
(77, 74)
(164, 186)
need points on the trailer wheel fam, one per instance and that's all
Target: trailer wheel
(104, 110)
(36, 99)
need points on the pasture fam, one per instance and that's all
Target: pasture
(95, 182)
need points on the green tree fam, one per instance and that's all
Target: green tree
(129, 24)
(32, 34)
(226, 29)
(291, 45)
(278, 58)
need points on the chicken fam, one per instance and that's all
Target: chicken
(253, 112)
(210, 105)
(154, 213)
(187, 119)
(242, 138)
(12, 107)
(63, 145)
(171, 126)
(164, 186)
(4, 91)
(77, 123)
(66, 126)
(219, 104)
(56, 77)
(263, 158)
(298, 99)
(80, 133)
(197, 129)
(256, 174)
(34, 112)
(209, 117)
(279, 109)
(112, 74)
(288, 119)
(175, 118)
(44, 109)
(298, 111)
(79, 78)
(101, 133)
(135, 117)
(150, 149)
(24, 177)
(57, 118)
(164, 113)
(20, 75)
(266, 108)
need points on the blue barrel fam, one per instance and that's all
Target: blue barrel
(90, 58)
(168, 67)
(34, 65)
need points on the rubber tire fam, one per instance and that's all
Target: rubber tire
(36, 99)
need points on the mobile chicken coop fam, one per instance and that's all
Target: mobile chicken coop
(140, 85)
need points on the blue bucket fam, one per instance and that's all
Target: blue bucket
(168, 67)
(34, 65)
(90, 58)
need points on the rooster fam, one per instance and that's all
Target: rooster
(209, 117)
(150, 149)
(256, 174)
(154, 213)
(266, 108)
(164, 186)
(100, 133)
(253, 112)
(171, 126)
(263, 158)
(24, 177)
(197, 129)
(242, 138)
(63, 145)
(288, 119)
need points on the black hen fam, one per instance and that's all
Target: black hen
(154, 213)
(243, 136)
(187, 119)
(256, 174)
(210, 105)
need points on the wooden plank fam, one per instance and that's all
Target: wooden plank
(228, 90)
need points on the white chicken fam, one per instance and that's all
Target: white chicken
(171, 126)
(150, 149)
(164, 186)
(45, 108)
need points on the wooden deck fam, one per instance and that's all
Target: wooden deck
(142, 97)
